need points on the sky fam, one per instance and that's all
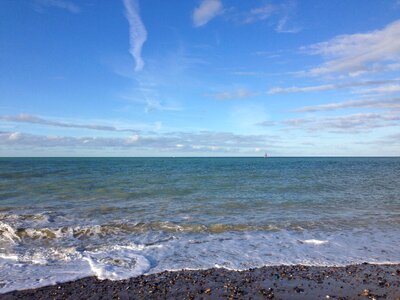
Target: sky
(199, 78)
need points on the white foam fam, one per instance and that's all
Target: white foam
(9, 256)
(117, 266)
(8, 234)
(134, 246)
(18, 276)
(156, 252)
(314, 242)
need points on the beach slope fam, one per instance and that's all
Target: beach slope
(365, 281)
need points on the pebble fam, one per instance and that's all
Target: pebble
(306, 282)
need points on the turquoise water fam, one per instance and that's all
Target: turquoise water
(65, 218)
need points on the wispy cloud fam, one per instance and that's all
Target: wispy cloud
(355, 54)
(285, 23)
(284, 26)
(385, 89)
(391, 139)
(345, 124)
(157, 85)
(335, 86)
(30, 119)
(152, 104)
(205, 141)
(62, 4)
(261, 13)
(236, 94)
(279, 15)
(137, 32)
(206, 11)
(266, 123)
(368, 103)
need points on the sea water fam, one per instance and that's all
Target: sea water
(67, 218)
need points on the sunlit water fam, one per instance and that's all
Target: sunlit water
(62, 219)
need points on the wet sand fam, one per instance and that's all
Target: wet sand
(365, 281)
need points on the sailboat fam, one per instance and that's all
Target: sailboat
(265, 155)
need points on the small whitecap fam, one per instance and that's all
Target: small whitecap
(314, 242)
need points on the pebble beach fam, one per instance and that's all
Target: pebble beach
(364, 281)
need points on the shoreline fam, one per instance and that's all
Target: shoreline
(361, 281)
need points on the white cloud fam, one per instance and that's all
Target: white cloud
(14, 136)
(355, 54)
(206, 11)
(63, 4)
(137, 32)
(334, 86)
(385, 89)
(296, 89)
(369, 103)
(170, 141)
(26, 118)
(346, 124)
(133, 139)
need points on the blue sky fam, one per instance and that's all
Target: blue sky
(199, 78)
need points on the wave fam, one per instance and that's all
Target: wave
(14, 235)
(8, 233)
(47, 263)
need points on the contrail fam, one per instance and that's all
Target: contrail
(137, 32)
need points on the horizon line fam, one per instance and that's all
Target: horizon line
(283, 156)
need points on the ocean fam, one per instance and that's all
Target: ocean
(68, 218)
